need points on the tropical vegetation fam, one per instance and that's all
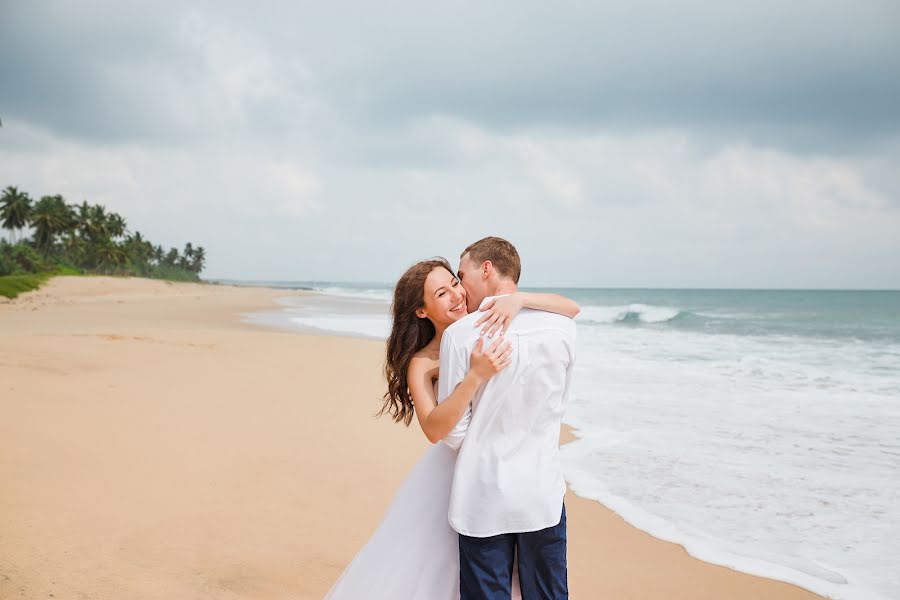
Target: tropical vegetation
(51, 236)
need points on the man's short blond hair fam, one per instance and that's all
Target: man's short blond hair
(501, 253)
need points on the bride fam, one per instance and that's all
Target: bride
(414, 553)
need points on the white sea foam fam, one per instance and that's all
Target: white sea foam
(364, 293)
(641, 312)
(808, 574)
(770, 455)
(365, 325)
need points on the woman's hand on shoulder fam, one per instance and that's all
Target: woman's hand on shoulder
(487, 362)
(499, 312)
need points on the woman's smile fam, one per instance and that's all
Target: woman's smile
(459, 309)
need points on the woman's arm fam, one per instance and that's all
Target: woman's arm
(437, 420)
(500, 311)
(554, 303)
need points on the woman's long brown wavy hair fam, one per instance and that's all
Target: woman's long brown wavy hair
(409, 334)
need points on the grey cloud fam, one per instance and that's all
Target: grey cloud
(59, 70)
(117, 73)
(808, 75)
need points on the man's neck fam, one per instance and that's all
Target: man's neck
(504, 286)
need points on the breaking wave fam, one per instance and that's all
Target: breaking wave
(629, 313)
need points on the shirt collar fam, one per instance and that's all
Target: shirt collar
(491, 298)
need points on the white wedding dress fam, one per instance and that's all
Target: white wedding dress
(414, 553)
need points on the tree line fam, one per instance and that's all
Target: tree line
(84, 238)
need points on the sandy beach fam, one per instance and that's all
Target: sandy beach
(154, 446)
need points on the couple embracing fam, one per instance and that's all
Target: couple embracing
(487, 372)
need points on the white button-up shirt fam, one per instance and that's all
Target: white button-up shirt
(508, 477)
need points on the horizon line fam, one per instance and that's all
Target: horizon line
(583, 287)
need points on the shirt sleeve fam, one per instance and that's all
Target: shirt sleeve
(570, 369)
(454, 365)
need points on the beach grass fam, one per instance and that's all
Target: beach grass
(13, 285)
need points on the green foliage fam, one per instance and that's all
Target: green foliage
(20, 259)
(172, 273)
(50, 217)
(7, 266)
(85, 239)
(13, 285)
(64, 269)
(15, 209)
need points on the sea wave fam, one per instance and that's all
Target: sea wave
(371, 326)
(360, 293)
(809, 574)
(643, 313)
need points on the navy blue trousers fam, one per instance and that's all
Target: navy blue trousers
(486, 564)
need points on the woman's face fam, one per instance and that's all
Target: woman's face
(445, 298)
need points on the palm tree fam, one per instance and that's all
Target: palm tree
(149, 251)
(83, 220)
(87, 236)
(187, 257)
(139, 250)
(110, 254)
(199, 259)
(115, 225)
(75, 248)
(15, 208)
(98, 223)
(49, 217)
(134, 245)
(172, 257)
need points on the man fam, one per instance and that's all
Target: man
(508, 487)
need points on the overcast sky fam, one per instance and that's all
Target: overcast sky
(647, 143)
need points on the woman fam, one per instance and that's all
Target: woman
(414, 554)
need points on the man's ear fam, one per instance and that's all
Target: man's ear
(486, 268)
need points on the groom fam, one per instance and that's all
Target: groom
(508, 488)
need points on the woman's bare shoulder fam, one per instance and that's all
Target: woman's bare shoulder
(429, 352)
(423, 360)
(423, 363)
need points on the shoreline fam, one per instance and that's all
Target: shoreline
(234, 439)
(694, 547)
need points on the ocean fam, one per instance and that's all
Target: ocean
(758, 428)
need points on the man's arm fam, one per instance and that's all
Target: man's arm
(454, 365)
